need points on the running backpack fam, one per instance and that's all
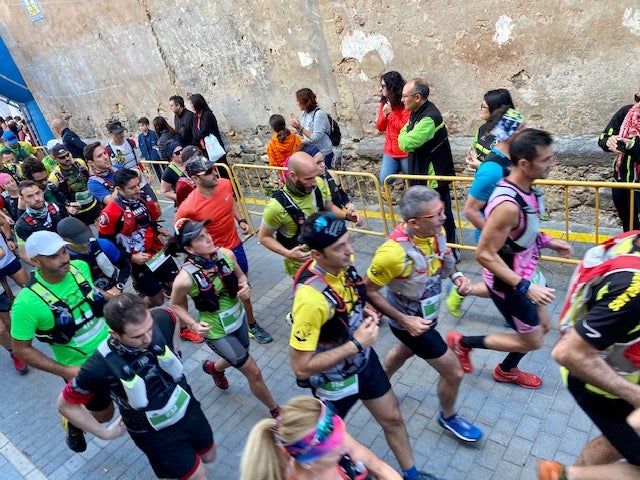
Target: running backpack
(611, 256)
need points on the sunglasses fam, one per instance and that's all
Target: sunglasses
(431, 215)
(177, 152)
(208, 171)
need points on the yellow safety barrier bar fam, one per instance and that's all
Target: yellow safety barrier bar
(459, 194)
(254, 185)
(258, 182)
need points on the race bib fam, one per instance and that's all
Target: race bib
(84, 198)
(339, 389)
(157, 260)
(172, 412)
(430, 307)
(232, 319)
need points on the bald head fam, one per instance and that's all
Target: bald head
(57, 125)
(303, 171)
(300, 163)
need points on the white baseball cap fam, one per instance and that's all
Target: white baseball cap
(43, 242)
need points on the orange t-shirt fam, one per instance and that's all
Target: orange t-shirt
(278, 151)
(218, 208)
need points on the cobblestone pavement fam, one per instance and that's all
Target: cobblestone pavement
(520, 425)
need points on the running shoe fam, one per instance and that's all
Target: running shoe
(548, 470)
(454, 303)
(190, 336)
(219, 378)
(20, 366)
(453, 340)
(259, 333)
(517, 376)
(74, 436)
(460, 427)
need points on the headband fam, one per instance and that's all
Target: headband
(324, 438)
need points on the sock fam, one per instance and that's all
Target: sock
(410, 473)
(473, 342)
(251, 325)
(511, 361)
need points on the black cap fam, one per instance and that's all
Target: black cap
(73, 230)
(187, 229)
(115, 126)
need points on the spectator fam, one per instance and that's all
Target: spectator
(282, 144)
(166, 134)
(484, 140)
(148, 141)
(70, 139)
(205, 125)
(392, 116)
(620, 137)
(314, 123)
(184, 120)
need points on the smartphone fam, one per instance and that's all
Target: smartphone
(621, 146)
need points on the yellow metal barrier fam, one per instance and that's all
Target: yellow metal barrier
(151, 166)
(459, 192)
(256, 184)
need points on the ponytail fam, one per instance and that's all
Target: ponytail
(262, 458)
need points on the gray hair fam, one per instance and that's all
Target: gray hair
(413, 200)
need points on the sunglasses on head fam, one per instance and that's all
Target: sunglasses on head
(208, 171)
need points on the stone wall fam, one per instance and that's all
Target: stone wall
(563, 61)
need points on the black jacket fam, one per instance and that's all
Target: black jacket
(72, 141)
(184, 125)
(435, 150)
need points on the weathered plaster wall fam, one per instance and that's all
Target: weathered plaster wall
(569, 64)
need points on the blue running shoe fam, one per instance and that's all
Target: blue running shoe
(259, 334)
(460, 428)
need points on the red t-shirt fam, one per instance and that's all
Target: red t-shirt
(218, 208)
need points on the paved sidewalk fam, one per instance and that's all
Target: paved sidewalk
(520, 425)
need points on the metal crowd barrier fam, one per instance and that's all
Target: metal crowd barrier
(569, 191)
(254, 185)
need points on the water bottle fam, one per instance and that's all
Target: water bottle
(135, 389)
(170, 363)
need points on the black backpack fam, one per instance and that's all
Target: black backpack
(335, 135)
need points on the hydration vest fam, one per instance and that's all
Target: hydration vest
(414, 287)
(65, 325)
(613, 256)
(339, 329)
(127, 223)
(296, 213)
(151, 381)
(52, 211)
(208, 300)
(531, 219)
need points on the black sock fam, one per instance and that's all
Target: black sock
(473, 342)
(511, 361)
